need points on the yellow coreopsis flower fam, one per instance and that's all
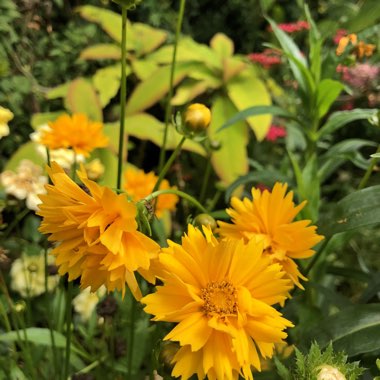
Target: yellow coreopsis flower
(76, 132)
(269, 218)
(220, 294)
(138, 185)
(96, 233)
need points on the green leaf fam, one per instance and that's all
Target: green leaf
(107, 82)
(368, 15)
(247, 90)
(143, 68)
(222, 45)
(375, 155)
(188, 90)
(155, 87)
(109, 160)
(145, 127)
(42, 118)
(82, 97)
(257, 110)
(108, 20)
(356, 210)
(327, 92)
(101, 51)
(354, 330)
(145, 38)
(233, 142)
(26, 151)
(42, 337)
(58, 92)
(340, 118)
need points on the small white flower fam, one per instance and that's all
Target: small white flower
(26, 183)
(327, 372)
(28, 275)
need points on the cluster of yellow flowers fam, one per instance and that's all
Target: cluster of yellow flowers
(360, 48)
(219, 287)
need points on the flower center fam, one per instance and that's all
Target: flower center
(220, 298)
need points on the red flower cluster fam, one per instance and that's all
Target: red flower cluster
(268, 58)
(293, 27)
(275, 131)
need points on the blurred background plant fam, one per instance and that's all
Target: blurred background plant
(296, 103)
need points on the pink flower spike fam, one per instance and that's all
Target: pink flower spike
(275, 132)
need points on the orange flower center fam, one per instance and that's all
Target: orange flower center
(220, 298)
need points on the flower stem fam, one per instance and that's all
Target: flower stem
(205, 179)
(131, 336)
(181, 194)
(123, 93)
(69, 296)
(168, 109)
(368, 173)
(168, 164)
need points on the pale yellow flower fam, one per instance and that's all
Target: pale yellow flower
(26, 183)
(28, 276)
(5, 116)
(85, 302)
(327, 372)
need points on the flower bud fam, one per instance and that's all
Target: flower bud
(327, 372)
(196, 118)
(205, 220)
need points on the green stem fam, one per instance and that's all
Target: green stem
(15, 222)
(168, 109)
(205, 179)
(316, 256)
(69, 296)
(131, 336)
(368, 173)
(181, 194)
(168, 164)
(123, 94)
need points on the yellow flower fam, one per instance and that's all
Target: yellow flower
(364, 50)
(220, 294)
(96, 233)
(197, 117)
(76, 132)
(268, 218)
(5, 116)
(344, 41)
(85, 302)
(139, 184)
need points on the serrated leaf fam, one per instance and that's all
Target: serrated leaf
(146, 127)
(327, 92)
(233, 142)
(356, 210)
(143, 68)
(354, 330)
(155, 87)
(101, 51)
(222, 45)
(145, 38)
(340, 118)
(82, 97)
(247, 90)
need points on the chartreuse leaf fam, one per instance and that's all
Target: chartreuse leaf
(189, 90)
(108, 20)
(27, 151)
(230, 161)
(101, 51)
(82, 97)
(247, 90)
(42, 118)
(143, 68)
(354, 330)
(42, 337)
(340, 118)
(58, 92)
(155, 87)
(109, 160)
(327, 92)
(107, 82)
(232, 66)
(146, 38)
(356, 210)
(145, 127)
(222, 45)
